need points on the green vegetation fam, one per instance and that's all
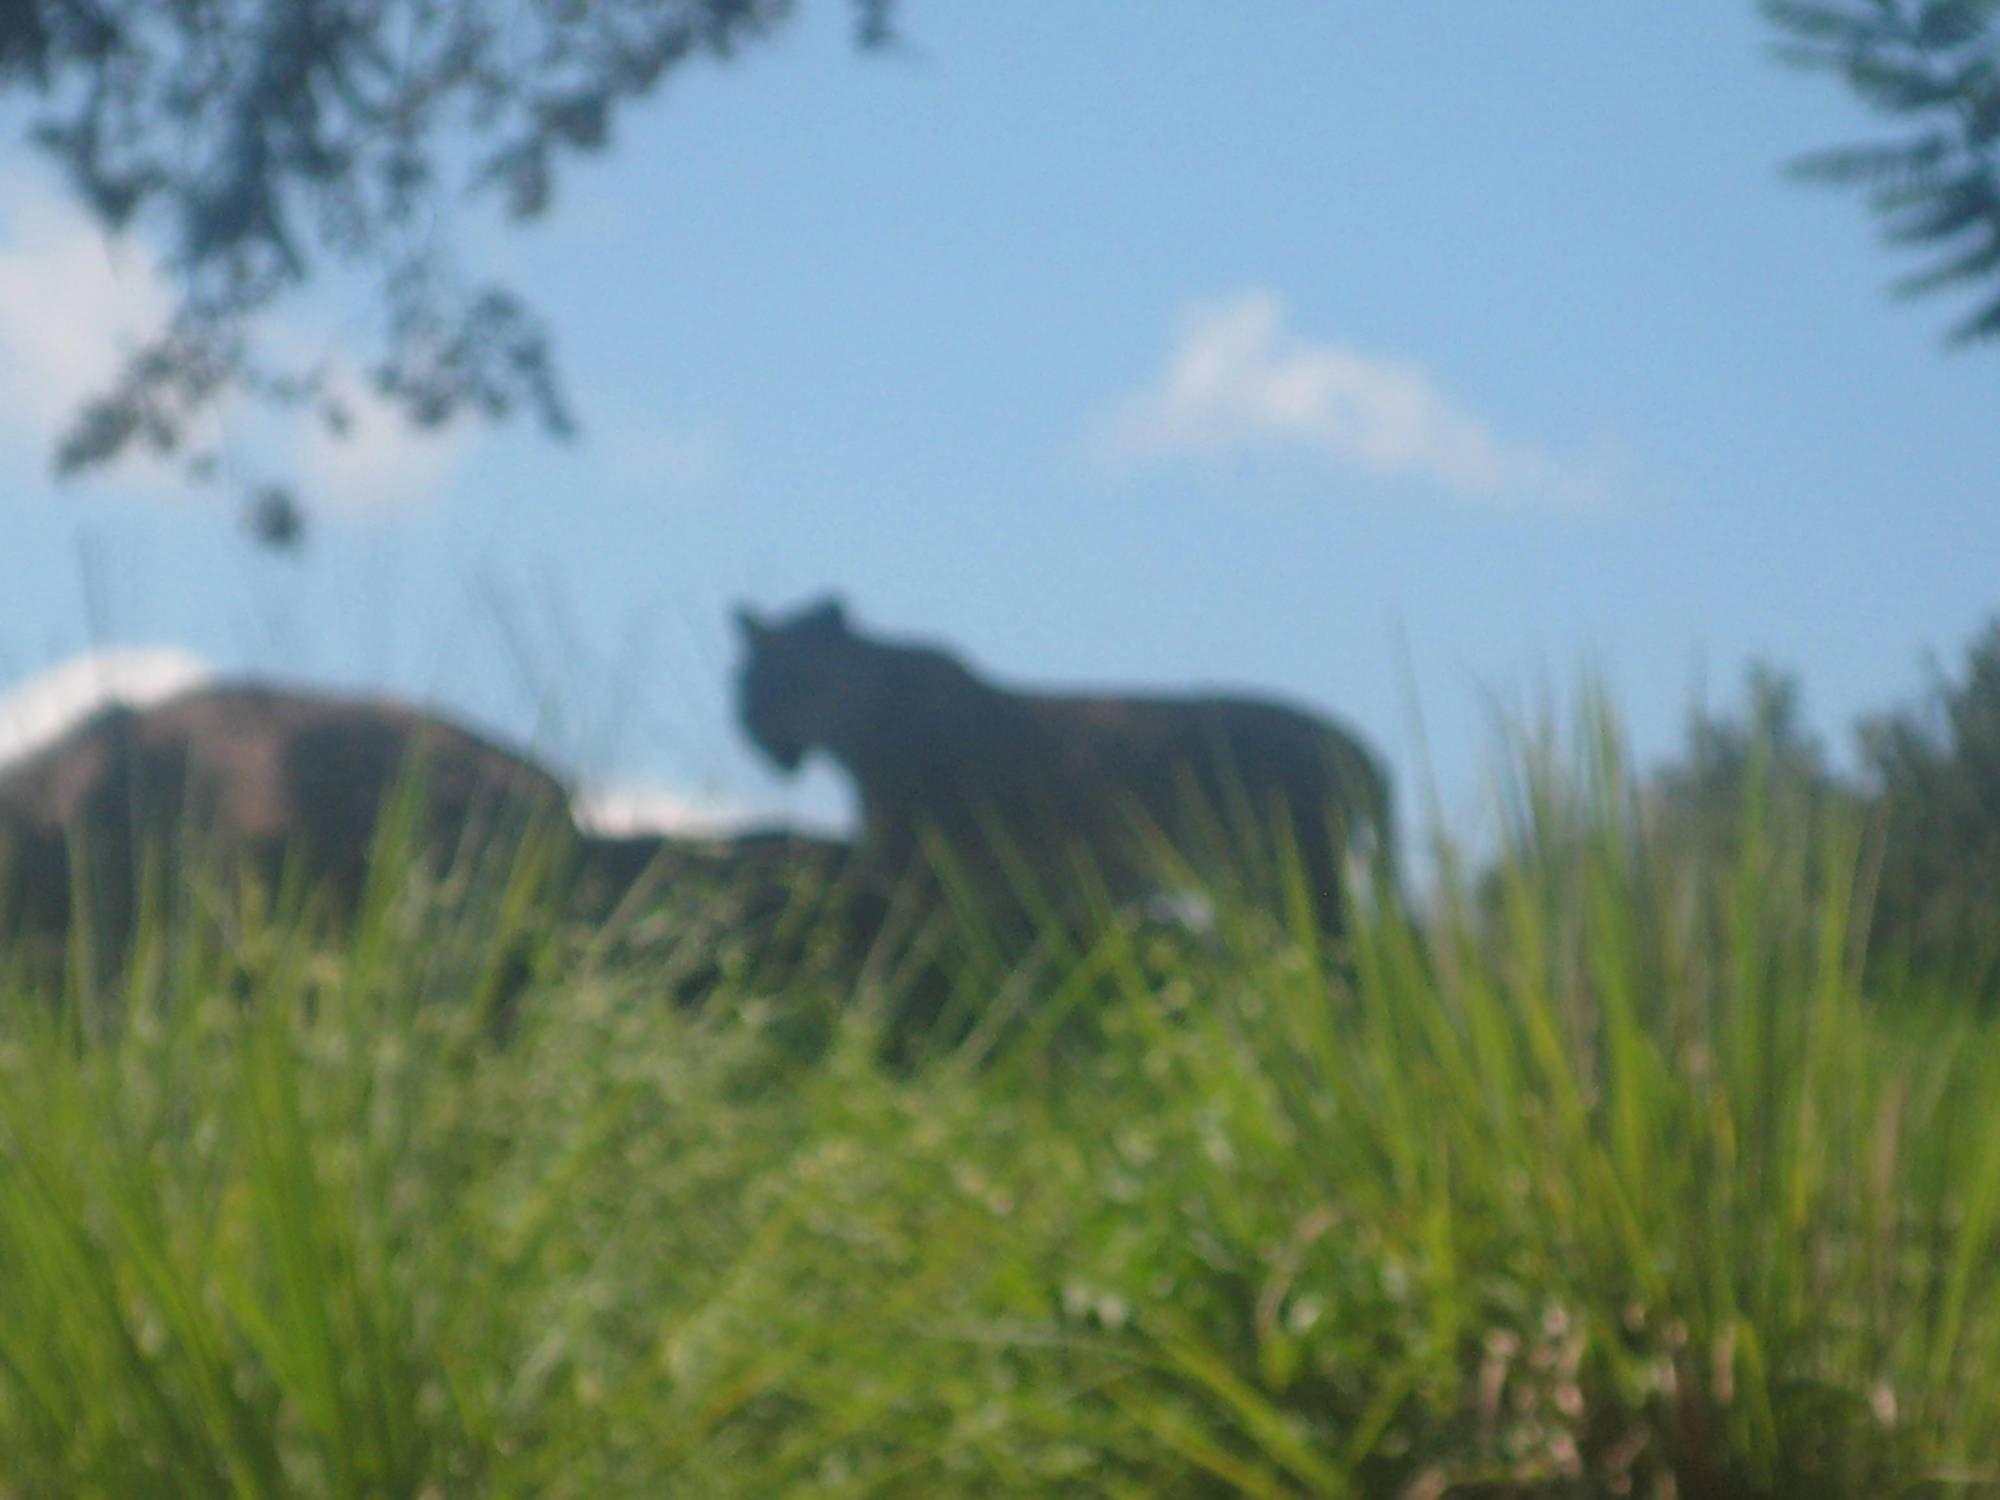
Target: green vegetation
(1933, 66)
(1927, 792)
(1609, 1176)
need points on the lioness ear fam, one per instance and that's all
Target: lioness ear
(829, 617)
(748, 625)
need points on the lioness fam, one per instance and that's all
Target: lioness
(1063, 781)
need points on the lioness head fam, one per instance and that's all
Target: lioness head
(788, 690)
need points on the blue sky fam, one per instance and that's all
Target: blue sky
(1323, 349)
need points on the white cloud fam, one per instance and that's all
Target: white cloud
(619, 808)
(615, 809)
(72, 305)
(37, 710)
(1238, 379)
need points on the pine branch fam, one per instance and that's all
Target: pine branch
(1934, 60)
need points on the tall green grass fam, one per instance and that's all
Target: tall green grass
(1603, 1176)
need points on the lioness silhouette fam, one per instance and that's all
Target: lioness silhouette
(938, 753)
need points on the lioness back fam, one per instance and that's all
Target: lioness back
(1227, 748)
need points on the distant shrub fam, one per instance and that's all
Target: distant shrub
(1935, 773)
(1926, 795)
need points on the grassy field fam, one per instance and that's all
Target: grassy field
(1607, 1177)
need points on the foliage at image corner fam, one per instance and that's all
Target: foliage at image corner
(1935, 187)
(262, 143)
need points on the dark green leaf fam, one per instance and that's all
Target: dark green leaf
(1981, 261)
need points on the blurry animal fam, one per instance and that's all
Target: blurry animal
(1064, 780)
